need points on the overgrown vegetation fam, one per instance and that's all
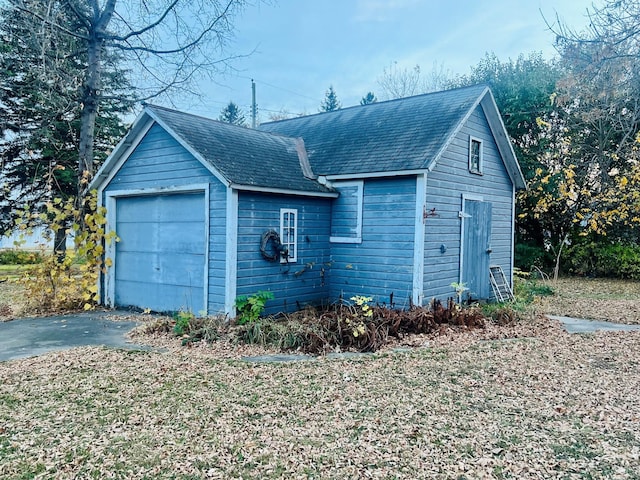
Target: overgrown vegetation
(68, 280)
(356, 326)
(600, 258)
(341, 327)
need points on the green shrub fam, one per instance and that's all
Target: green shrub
(597, 258)
(252, 306)
(184, 321)
(528, 255)
(19, 257)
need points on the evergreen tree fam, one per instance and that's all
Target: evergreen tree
(232, 114)
(330, 102)
(40, 114)
(368, 98)
(159, 42)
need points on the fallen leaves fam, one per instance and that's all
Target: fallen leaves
(597, 299)
(480, 404)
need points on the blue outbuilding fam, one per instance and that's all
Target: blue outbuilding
(395, 200)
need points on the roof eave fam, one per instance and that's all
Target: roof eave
(430, 163)
(123, 148)
(503, 142)
(283, 191)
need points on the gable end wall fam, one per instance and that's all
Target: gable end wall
(446, 184)
(160, 162)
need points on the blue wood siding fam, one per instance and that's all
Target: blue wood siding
(160, 162)
(344, 212)
(446, 184)
(383, 263)
(296, 284)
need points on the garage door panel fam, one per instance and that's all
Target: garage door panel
(191, 272)
(187, 237)
(160, 268)
(160, 298)
(137, 209)
(160, 259)
(137, 267)
(161, 208)
(188, 209)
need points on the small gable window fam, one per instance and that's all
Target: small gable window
(346, 213)
(475, 155)
(289, 234)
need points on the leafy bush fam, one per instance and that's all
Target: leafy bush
(184, 322)
(528, 256)
(19, 257)
(251, 307)
(69, 281)
(596, 258)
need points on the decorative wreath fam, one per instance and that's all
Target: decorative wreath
(270, 246)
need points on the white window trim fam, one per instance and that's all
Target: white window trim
(480, 160)
(360, 195)
(293, 256)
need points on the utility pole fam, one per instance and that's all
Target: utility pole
(254, 107)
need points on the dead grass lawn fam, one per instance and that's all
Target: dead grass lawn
(598, 299)
(545, 405)
(526, 401)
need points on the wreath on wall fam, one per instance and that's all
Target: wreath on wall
(271, 247)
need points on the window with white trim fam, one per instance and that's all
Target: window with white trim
(289, 234)
(346, 213)
(475, 155)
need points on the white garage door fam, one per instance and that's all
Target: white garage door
(160, 259)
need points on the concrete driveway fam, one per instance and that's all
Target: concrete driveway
(34, 336)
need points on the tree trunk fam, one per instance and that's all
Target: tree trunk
(89, 100)
(60, 244)
(556, 269)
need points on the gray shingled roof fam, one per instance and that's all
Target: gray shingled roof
(403, 134)
(241, 155)
(399, 135)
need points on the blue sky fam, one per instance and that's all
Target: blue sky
(300, 47)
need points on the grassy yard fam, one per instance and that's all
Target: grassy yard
(521, 401)
(598, 299)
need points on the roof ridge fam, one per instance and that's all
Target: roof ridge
(216, 121)
(382, 102)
